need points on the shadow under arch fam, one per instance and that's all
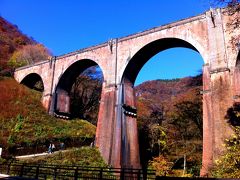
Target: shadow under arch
(129, 76)
(33, 81)
(238, 60)
(63, 89)
(236, 78)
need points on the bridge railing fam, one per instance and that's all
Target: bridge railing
(72, 172)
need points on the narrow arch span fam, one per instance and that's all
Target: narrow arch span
(33, 81)
(238, 59)
(73, 71)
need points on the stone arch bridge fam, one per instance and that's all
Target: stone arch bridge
(120, 61)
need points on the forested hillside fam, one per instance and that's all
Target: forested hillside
(11, 39)
(170, 124)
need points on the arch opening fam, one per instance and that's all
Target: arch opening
(156, 121)
(147, 52)
(238, 60)
(78, 91)
(33, 81)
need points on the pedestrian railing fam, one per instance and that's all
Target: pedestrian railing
(44, 171)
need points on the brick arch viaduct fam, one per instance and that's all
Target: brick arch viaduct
(121, 59)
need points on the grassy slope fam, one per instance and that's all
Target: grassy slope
(24, 121)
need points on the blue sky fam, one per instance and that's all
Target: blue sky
(68, 25)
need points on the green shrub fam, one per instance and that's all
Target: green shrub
(19, 123)
(228, 165)
(161, 165)
(11, 139)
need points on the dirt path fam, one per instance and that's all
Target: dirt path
(36, 155)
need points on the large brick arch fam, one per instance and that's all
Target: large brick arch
(65, 82)
(143, 55)
(192, 34)
(127, 97)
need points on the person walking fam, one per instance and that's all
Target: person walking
(0, 150)
(50, 148)
(53, 147)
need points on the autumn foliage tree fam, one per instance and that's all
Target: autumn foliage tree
(11, 39)
(188, 113)
(233, 12)
(161, 165)
(29, 54)
(228, 165)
